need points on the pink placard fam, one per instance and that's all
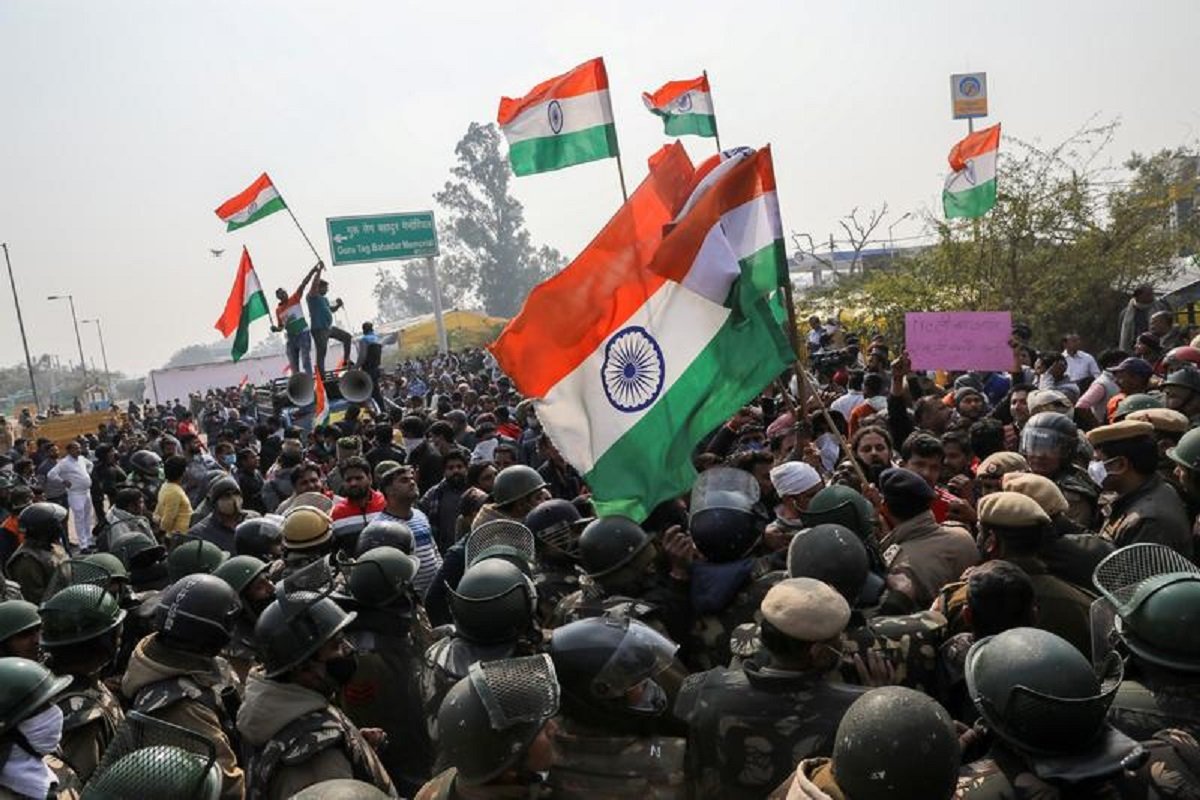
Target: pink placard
(959, 340)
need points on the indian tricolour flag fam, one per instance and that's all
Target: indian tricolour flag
(258, 200)
(320, 400)
(971, 188)
(563, 121)
(685, 107)
(630, 368)
(246, 303)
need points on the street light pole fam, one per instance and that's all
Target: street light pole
(21, 324)
(891, 239)
(103, 355)
(78, 341)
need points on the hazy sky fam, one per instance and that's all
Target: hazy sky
(124, 124)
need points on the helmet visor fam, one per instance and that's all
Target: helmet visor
(642, 654)
(1040, 441)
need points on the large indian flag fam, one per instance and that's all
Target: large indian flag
(246, 303)
(971, 187)
(685, 107)
(563, 121)
(258, 200)
(630, 368)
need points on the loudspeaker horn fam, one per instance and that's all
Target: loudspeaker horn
(356, 385)
(300, 389)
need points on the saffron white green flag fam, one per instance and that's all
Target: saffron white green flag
(246, 303)
(971, 188)
(563, 121)
(685, 107)
(258, 200)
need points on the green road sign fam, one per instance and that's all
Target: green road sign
(382, 237)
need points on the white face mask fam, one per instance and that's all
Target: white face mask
(1097, 471)
(43, 731)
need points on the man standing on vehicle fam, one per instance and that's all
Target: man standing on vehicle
(320, 314)
(289, 317)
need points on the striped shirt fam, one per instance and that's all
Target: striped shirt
(349, 518)
(426, 549)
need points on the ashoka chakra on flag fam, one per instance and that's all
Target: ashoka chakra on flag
(633, 370)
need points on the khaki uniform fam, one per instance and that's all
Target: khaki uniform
(1151, 514)
(1063, 608)
(813, 780)
(91, 716)
(929, 555)
(32, 565)
(299, 739)
(192, 691)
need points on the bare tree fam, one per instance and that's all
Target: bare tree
(858, 232)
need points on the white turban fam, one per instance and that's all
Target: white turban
(793, 477)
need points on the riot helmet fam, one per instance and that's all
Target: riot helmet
(240, 571)
(514, 483)
(494, 602)
(843, 506)
(386, 533)
(501, 538)
(25, 686)
(609, 543)
(261, 537)
(194, 556)
(146, 463)
(197, 614)
(721, 517)
(151, 758)
(295, 626)
(556, 525)
(830, 553)
(43, 522)
(79, 613)
(380, 577)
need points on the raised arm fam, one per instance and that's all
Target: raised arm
(311, 274)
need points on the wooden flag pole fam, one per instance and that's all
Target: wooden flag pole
(716, 130)
(288, 208)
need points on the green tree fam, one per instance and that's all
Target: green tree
(407, 291)
(488, 257)
(1062, 248)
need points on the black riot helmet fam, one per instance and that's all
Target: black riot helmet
(609, 543)
(493, 603)
(146, 463)
(294, 627)
(261, 537)
(1050, 432)
(386, 533)
(832, 554)
(895, 742)
(721, 519)
(841, 505)
(42, 522)
(600, 659)
(197, 614)
(489, 719)
(556, 525)
(1037, 692)
(381, 576)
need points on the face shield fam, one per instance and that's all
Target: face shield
(724, 488)
(1041, 442)
(642, 654)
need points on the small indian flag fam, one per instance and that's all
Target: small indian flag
(971, 187)
(563, 121)
(320, 401)
(259, 200)
(685, 107)
(246, 303)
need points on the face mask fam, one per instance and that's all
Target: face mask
(1097, 471)
(43, 731)
(341, 669)
(229, 505)
(229, 460)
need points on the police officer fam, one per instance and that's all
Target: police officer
(248, 577)
(747, 727)
(307, 537)
(1155, 593)
(841, 505)
(177, 675)
(298, 737)
(498, 730)
(150, 758)
(556, 525)
(1045, 707)
(34, 562)
(30, 732)
(517, 491)
(1181, 391)
(194, 557)
(20, 629)
(146, 475)
(611, 742)
(145, 560)
(1013, 527)
(493, 611)
(390, 635)
(504, 537)
(1146, 508)
(892, 743)
(386, 533)
(1049, 442)
(1186, 458)
(81, 634)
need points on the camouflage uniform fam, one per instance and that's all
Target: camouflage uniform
(1171, 772)
(748, 727)
(1082, 495)
(32, 565)
(553, 582)
(1150, 700)
(709, 641)
(241, 652)
(596, 765)
(663, 605)
(91, 716)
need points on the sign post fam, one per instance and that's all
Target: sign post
(390, 237)
(968, 97)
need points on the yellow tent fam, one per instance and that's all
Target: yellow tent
(463, 329)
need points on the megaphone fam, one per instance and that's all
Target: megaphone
(300, 389)
(355, 385)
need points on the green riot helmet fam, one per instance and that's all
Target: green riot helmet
(76, 571)
(386, 533)
(261, 537)
(493, 603)
(146, 463)
(1037, 692)
(43, 522)
(502, 538)
(1156, 594)
(240, 571)
(381, 576)
(197, 614)
(556, 525)
(516, 482)
(895, 742)
(137, 551)
(79, 613)
(1186, 377)
(609, 543)
(1187, 453)
(1050, 433)
(341, 789)
(17, 617)
(830, 553)
(841, 505)
(192, 557)
(294, 627)
(1136, 402)
(600, 659)
(111, 563)
(150, 758)
(25, 686)
(489, 719)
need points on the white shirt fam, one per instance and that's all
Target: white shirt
(1081, 365)
(847, 403)
(76, 471)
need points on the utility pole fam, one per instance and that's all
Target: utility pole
(21, 325)
(103, 355)
(78, 341)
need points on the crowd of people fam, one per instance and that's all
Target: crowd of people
(884, 583)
